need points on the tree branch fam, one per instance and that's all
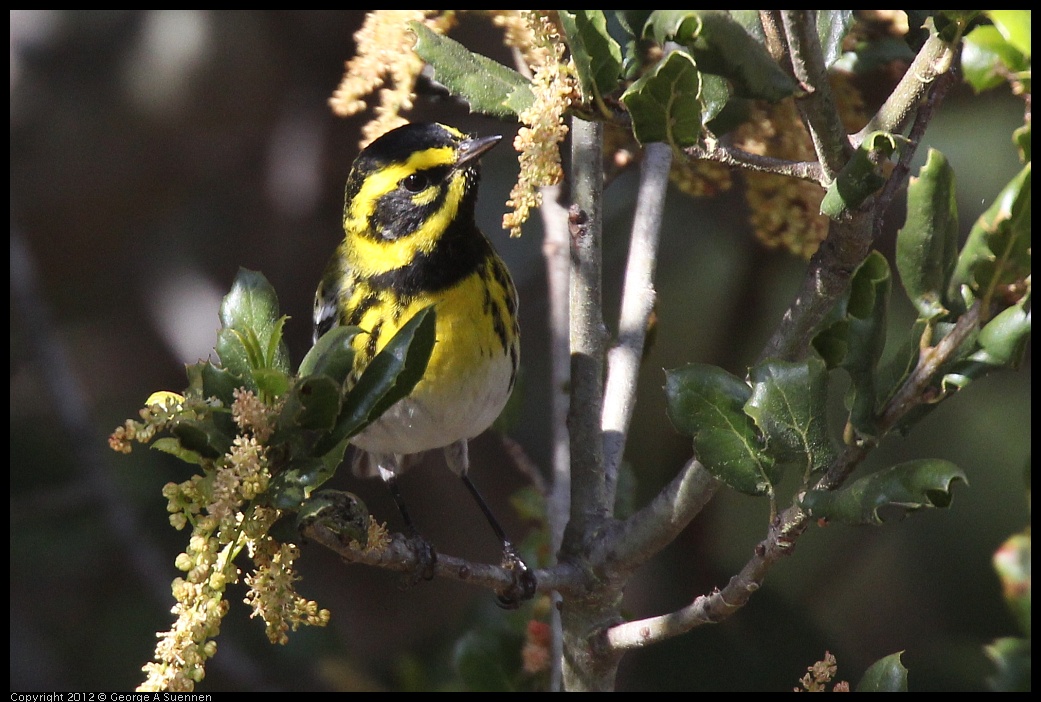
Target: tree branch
(401, 555)
(715, 607)
(737, 158)
(556, 250)
(817, 106)
(623, 360)
(655, 526)
(935, 58)
(587, 335)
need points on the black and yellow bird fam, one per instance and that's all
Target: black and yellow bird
(411, 240)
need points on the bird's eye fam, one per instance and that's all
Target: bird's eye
(415, 182)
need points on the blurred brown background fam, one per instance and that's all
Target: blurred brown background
(155, 152)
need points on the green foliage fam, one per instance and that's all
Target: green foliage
(887, 494)
(926, 246)
(721, 45)
(789, 405)
(997, 252)
(707, 403)
(861, 177)
(746, 432)
(993, 51)
(488, 86)
(249, 342)
(1011, 655)
(597, 56)
(885, 675)
(854, 337)
(659, 102)
(315, 411)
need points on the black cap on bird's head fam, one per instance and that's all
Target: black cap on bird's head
(420, 177)
(399, 144)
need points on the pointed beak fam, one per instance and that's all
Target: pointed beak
(472, 148)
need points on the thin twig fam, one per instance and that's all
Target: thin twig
(557, 252)
(731, 156)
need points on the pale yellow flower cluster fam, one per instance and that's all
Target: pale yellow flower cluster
(155, 416)
(820, 674)
(182, 652)
(786, 211)
(384, 57)
(216, 505)
(555, 85)
(253, 415)
(272, 595)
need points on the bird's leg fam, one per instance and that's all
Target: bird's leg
(426, 556)
(524, 584)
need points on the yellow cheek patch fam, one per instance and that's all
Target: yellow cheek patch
(373, 255)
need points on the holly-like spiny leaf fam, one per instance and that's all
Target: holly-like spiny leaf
(885, 675)
(707, 403)
(389, 376)
(887, 494)
(597, 56)
(488, 86)
(926, 246)
(660, 102)
(789, 405)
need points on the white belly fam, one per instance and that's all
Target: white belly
(432, 417)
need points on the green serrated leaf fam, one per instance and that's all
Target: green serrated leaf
(251, 310)
(389, 377)
(218, 382)
(660, 102)
(332, 354)
(1015, 26)
(172, 446)
(201, 437)
(988, 58)
(888, 494)
(633, 21)
(997, 251)
(789, 405)
(855, 337)
(715, 97)
(1001, 344)
(860, 177)
(597, 56)
(292, 486)
(926, 246)
(721, 45)
(488, 86)
(832, 28)
(271, 381)
(885, 675)
(707, 403)
(235, 356)
(1003, 341)
(313, 403)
